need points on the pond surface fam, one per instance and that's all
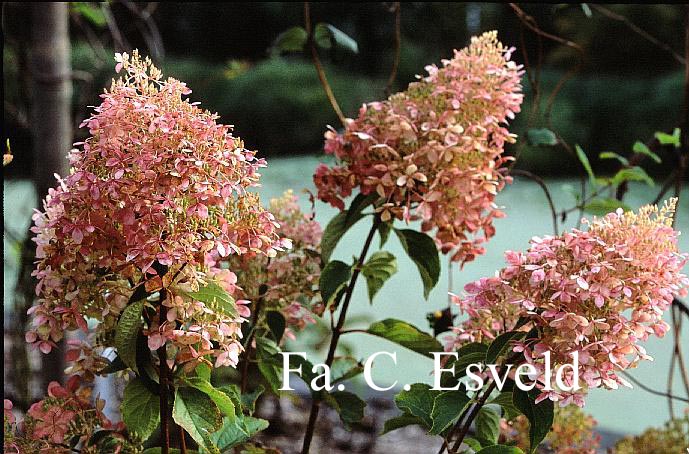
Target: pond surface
(623, 411)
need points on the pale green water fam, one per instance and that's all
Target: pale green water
(624, 411)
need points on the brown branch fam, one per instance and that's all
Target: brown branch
(541, 183)
(639, 31)
(319, 67)
(396, 9)
(651, 390)
(164, 384)
(337, 332)
(531, 23)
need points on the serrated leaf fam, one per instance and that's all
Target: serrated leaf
(501, 344)
(641, 148)
(541, 136)
(504, 399)
(600, 207)
(348, 405)
(334, 278)
(468, 354)
(418, 401)
(632, 174)
(239, 430)
(196, 413)
(406, 335)
(221, 399)
(380, 267)
(269, 362)
(140, 409)
(340, 224)
(384, 229)
(422, 250)
(216, 298)
(585, 163)
(488, 424)
(158, 450)
(540, 416)
(249, 399)
(328, 36)
(291, 40)
(398, 422)
(447, 408)
(127, 332)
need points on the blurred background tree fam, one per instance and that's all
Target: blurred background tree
(625, 88)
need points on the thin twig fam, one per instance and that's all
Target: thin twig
(531, 23)
(651, 390)
(541, 183)
(337, 332)
(639, 31)
(396, 9)
(311, 43)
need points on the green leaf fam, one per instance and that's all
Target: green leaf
(249, 399)
(540, 416)
(600, 207)
(468, 354)
(612, 155)
(348, 405)
(472, 443)
(398, 422)
(140, 409)
(337, 227)
(406, 335)
(384, 229)
(541, 136)
(488, 424)
(357, 205)
(328, 36)
(221, 399)
(447, 408)
(127, 332)
(423, 252)
(585, 163)
(239, 430)
(418, 401)
(641, 148)
(379, 268)
(669, 139)
(269, 362)
(276, 323)
(216, 298)
(90, 12)
(203, 371)
(196, 413)
(345, 368)
(334, 278)
(632, 174)
(500, 449)
(291, 40)
(504, 399)
(501, 345)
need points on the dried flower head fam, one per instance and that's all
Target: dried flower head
(434, 151)
(599, 292)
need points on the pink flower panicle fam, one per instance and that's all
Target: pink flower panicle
(159, 183)
(434, 151)
(66, 414)
(599, 292)
(290, 279)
